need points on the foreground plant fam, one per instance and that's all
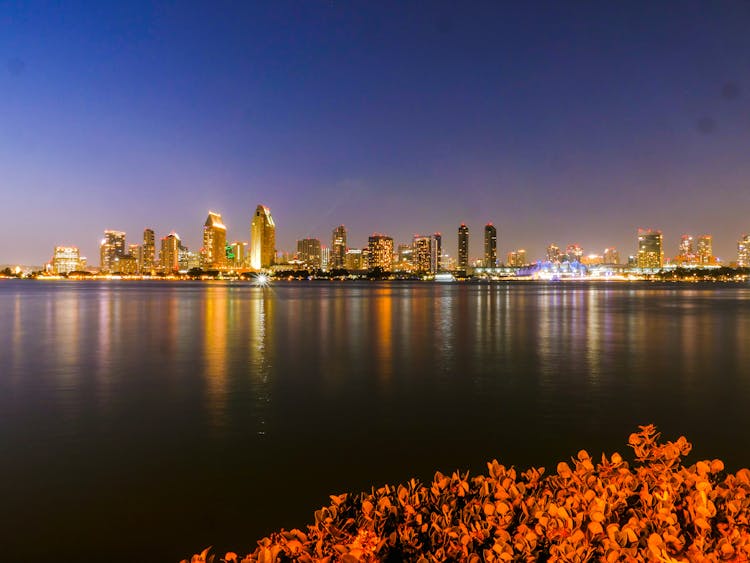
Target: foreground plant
(655, 510)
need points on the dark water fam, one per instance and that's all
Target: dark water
(145, 421)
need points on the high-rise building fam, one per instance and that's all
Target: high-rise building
(66, 259)
(611, 256)
(213, 251)
(111, 249)
(187, 259)
(574, 253)
(650, 249)
(170, 253)
(308, 252)
(338, 248)
(149, 251)
(517, 258)
(353, 260)
(325, 258)
(437, 250)
(380, 253)
(490, 246)
(705, 251)
(687, 248)
(743, 252)
(237, 255)
(136, 251)
(553, 253)
(422, 254)
(463, 247)
(262, 239)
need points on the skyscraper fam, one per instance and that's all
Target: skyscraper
(136, 251)
(517, 258)
(380, 253)
(170, 253)
(650, 249)
(687, 248)
(308, 252)
(111, 249)
(611, 256)
(237, 258)
(338, 248)
(149, 251)
(490, 246)
(66, 259)
(743, 252)
(705, 251)
(422, 254)
(262, 239)
(437, 250)
(213, 252)
(463, 247)
(553, 253)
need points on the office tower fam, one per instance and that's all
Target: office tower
(187, 259)
(517, 258)
(650, 249)
(574, 253)
(490, 246)
(262, 239)
(743, 252)
(325, 258)
(66, 259)
(437, 249)
(705, 252)
(422, 254)
(553, 253)
(353, 260)
(308, 252)
(338, 248)
(136, 251)
(170, 253)
(237, 255)
(687, 248)
(404, 257)
(380, 253)
(463, 247)
(213, 251)
(149, 251)
(611, 256)
(111, 249)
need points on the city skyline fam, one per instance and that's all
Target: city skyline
(383, 116)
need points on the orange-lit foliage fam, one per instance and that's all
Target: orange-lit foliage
(655, 510)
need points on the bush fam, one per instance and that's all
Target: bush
(655, 510)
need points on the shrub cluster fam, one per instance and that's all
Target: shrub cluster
(655, 509)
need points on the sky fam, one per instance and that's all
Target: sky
(565, 122)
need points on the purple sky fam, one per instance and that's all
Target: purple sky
(558, 121)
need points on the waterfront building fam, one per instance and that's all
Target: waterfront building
(325, 258)
(112, 247)
(687, 248)
(611, 256)
(338, 248)
(517, 258)
(353, 260)
(705, 251)
(169, 257)
(308, 253)
(237, 255)
(187, 259)
(126, 264)
(66, 259)
(213, 251)
(262, 239)
(136, 251)
(436, 260)
(422, 254)
(650, 249)
(574, 253)
(490, 246)
(463, 247)
(380, 249)
(743, 252)
(148, 262)
(553, 253)
(592, 260)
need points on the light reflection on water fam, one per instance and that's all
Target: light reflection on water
(124, 406)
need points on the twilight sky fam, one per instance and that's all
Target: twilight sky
(558, 121)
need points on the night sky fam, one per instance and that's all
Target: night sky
(559, 122)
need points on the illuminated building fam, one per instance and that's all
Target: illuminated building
(463, 247)
(553, 253)
(325, 258)
(517, 258)
(650, 249)
(169, 257)
(111, 248)
(687, 248)
(262, 239)
(213, 251)
(743, 252)
(338, 248)
(126, 264)
(136, 251)
(237, 255)
(66, 259)
(490, 246)
(422, 254)
(611, 256)
(592, 260)
(187, 259)
(149, 251)
(353, 260)
(705, 249)
(574, 253)
(436, 260)
(308, 252)
(380, 249)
